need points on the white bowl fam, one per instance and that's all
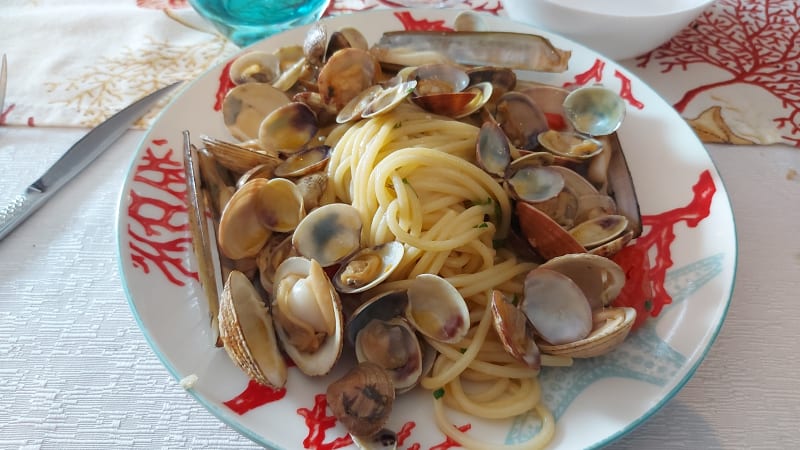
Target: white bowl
(619, 29)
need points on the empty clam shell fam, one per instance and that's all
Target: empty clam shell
(594, 110)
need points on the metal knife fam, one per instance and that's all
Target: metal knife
(80, 155)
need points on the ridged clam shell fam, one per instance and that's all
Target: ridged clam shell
(246, 331)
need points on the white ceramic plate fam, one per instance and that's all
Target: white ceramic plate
(595, 401)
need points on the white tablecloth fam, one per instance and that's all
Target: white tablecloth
(76, 372)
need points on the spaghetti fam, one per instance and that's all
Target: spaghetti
(412, 177)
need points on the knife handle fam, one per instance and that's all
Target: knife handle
(17, 210)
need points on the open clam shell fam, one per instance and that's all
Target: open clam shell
(600, 279)
(245, 107)
(247, 333)
(368, 267)
(544, 234)
(236, 157)
(516, 332)
(556, 306)
(612, 326)
(393, 345)
(308, 315)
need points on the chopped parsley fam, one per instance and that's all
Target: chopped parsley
(439, 393)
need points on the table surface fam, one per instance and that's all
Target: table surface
(64, 315)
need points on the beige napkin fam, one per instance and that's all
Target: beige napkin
(76, 63)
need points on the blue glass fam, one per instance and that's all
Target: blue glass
(248, 21)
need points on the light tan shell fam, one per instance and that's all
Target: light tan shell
(247, 333)
(611, 327)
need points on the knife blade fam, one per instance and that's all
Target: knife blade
(74, 160)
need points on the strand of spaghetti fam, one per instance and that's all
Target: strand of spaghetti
(460, 363)
(539, 441)
(407, 201)
(470, 284)
(488, 368)
(510, 404)
(411, 158)
(425, 244)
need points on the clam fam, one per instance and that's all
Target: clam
(599, 230)
(356, 106)
(556, 306)
(277, 249)
(362, 399)
(346, 75)
(312, 188)
(388, 99)
(308, 315)
(256, 210)
(247, 332)
(594, 110)
(346, 37)
(245, 107)
(544, 234)
(550, 100)
(314, 44)
(502, 79)
(255, 66)
(368, 267)
(382, 335)
(436, 309)
(535, 184)
(288, 128)
(611, 327)
(600, 279)
(393, 345)
(569, 144)
(620, 184)
(516, 332)
(438, 79)
(304, 162)
(237, 157)
(520, 119)
(329, 234)
(492, 151)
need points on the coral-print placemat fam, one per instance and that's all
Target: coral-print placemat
(733, 74)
